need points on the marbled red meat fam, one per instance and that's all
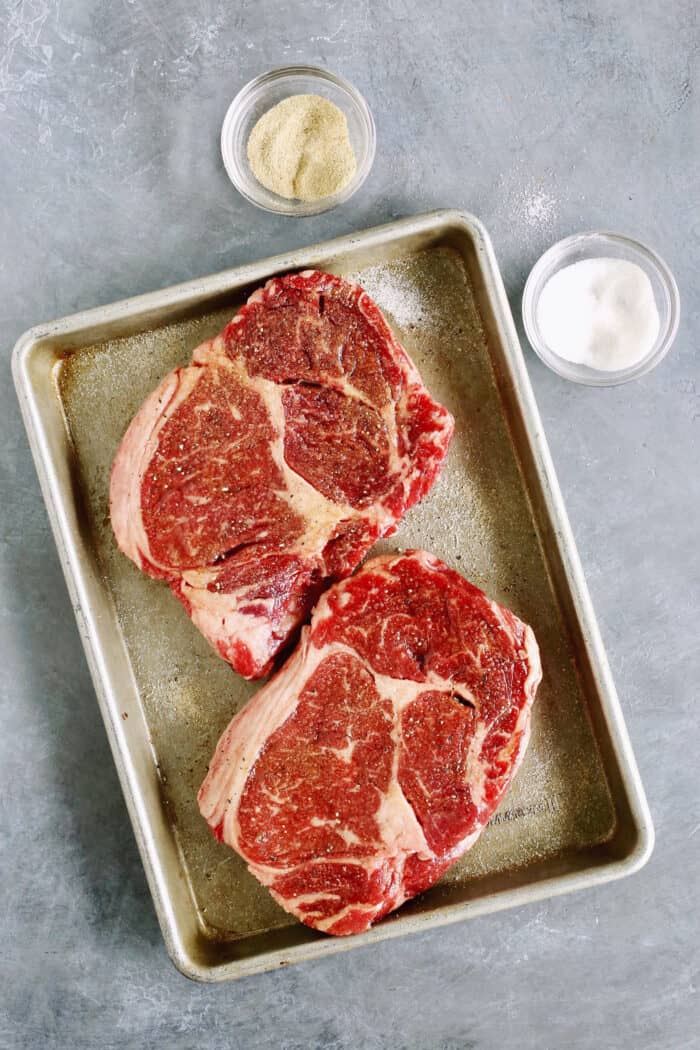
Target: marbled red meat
(376, 756)
(270, 465)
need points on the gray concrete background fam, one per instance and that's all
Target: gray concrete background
(543, 118)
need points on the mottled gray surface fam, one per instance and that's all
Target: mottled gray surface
(543, 118)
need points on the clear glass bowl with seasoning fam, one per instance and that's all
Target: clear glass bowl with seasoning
(599, 245)
(264, 92)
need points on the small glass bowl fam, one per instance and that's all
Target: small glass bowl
(595, 246)
(262, 94)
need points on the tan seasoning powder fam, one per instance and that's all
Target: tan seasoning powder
(301, 149)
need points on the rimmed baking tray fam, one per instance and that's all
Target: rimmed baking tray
(576, 813)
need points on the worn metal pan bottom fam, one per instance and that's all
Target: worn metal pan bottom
(575, 815)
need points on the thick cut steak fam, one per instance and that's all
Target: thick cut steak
(376, 756)
(295, 439)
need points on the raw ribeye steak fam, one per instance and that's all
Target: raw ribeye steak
(295, 439)
(376, 756)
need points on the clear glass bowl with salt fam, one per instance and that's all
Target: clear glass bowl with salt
(607, 308)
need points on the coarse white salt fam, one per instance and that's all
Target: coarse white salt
(599, 312)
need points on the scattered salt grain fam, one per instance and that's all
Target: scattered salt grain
(395, 292)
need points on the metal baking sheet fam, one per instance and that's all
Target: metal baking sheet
(576, 813)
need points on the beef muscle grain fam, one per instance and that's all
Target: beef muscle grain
(376, 756)
(271, 464)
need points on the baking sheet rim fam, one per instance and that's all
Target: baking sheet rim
(258, 271)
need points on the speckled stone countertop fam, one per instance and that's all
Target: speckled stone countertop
(543, 119)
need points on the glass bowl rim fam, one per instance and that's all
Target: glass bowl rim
(237, 110)
(554, 259)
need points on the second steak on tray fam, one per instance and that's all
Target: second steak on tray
(376, 756)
